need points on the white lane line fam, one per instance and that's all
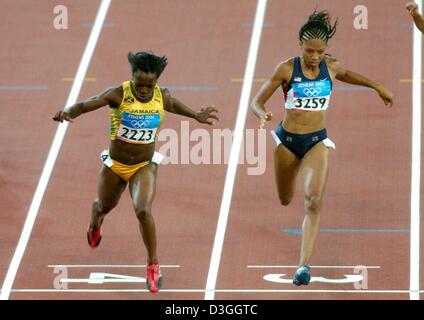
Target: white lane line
(54, 150)
(105, 290)
(313, 267)
(414, 278)
(127, 279)
(218, 291)
(314, 291)
(108, 266)
(235, 150)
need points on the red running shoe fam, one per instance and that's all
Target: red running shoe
(153, 277)
(94, 236)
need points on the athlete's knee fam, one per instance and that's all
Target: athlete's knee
(103, 208)
(143, 213)
(313, 203)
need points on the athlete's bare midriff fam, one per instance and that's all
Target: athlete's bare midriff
(302, 122)
(128, 153)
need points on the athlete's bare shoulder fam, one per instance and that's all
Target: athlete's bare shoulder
(289, 61)
(165, 92)
(331, 61)
(114, 95)
(333, 65)
(166, 96)
(284, 70)
(116, 91)
(286, 64)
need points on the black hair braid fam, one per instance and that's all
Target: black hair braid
(147, 62)
(318, 26)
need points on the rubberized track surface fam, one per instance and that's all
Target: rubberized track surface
(366, 213)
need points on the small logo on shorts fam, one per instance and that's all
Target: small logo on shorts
(297, 79)
(315, 139)
(289, 139)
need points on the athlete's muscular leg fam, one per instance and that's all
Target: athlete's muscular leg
(110, 188)
(314, 170)
(286, 166)
(142, 189)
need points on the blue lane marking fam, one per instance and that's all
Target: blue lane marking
(298, 231)
(12, 88)
(90, 25)
(351, 88)
(294, 231)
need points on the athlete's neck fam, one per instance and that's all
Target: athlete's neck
(310, 71)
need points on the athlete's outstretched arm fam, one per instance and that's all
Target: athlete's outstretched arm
(358, 79)
(107, 97)
(266, 91)
(205, 115)
(412, 9)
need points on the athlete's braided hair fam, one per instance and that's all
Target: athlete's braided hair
(318, 26)
(147, 62)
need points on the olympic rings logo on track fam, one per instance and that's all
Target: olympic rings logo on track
(140, 124)
(312, 92)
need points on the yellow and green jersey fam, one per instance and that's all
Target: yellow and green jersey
(135, 121)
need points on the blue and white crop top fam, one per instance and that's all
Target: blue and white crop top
(305, 94)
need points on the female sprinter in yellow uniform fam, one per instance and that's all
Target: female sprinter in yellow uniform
(302, 143)
(136, 112)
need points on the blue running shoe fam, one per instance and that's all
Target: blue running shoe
(302, 275)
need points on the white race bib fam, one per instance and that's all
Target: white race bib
(309, 96)
(138, 129)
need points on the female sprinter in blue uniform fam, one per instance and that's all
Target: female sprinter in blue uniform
(302, 143)
(136, 112)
